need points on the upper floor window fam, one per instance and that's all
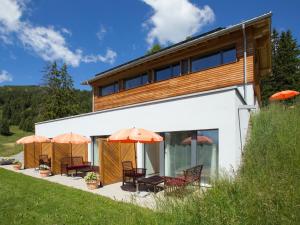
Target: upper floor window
(136, 81)
(167, 72)
(109, 89)
(213, 60)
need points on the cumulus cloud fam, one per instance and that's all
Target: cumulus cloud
(174, 20)
(5, 76)
(47, 42)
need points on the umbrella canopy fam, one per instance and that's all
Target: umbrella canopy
(134, 135)
(71, 138)
(200, 140)
(282, 95)
(33, 139)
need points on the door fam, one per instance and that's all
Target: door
(111, 157)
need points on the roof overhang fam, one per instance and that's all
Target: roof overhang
(177, 47)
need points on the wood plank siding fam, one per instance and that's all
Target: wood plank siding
(209, 79)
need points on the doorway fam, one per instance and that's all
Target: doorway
(151, 153)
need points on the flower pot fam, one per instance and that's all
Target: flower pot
(17, 166)
(92, 184)
(44, 173)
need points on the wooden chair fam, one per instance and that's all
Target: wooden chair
(44, 160)
(132, 174)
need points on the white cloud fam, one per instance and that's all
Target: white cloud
(10, 14)
(174, 20)
(47, 42)
(5, 76)
(109, 57)
(100, 34)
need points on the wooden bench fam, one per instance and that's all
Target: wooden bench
(74, 163)
(191, 176)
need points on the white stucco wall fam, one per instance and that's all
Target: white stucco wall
(210, 110)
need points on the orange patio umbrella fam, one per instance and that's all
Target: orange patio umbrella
(71, 138)
(282, 95)
(135, 135)
(200, 139)
(32, 139)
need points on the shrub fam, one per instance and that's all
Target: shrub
(4, 127)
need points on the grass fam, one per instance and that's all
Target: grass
(27, 200)
(266, 189)
(8, 144)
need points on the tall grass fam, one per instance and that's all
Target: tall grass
(266, 189)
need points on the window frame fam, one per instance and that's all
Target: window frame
(210, 54)
(114, 84)
(134, 77)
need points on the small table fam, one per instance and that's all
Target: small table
(152, 181)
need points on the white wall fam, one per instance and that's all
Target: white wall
(196, 112)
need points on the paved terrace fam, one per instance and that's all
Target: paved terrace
(113, 191)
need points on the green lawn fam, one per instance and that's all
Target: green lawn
(8, 144)
(27, 200)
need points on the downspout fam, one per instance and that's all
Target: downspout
(245, 62)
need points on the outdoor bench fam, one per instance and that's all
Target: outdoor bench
(191, 176)
(74, 163)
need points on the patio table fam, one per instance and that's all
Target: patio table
(151, 181)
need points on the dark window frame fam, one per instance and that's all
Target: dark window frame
(116, 90)
(134, 77)
(211, 54)
(171, 68)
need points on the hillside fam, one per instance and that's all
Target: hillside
(21, 106)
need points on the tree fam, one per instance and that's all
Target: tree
(154, 48)
(4, 127)
(285, 65)
(60, 99)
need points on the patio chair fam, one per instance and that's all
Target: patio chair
(132, 174)
(44, 160)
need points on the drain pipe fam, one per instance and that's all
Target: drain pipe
(245, 62)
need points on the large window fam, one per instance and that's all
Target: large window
(213, 60)
(95, 152)
(136, 81)
(185, 149)
(207, 154)
(109, 89)
(167, 72)
(177, 153)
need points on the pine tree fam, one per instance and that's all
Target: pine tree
(60, 100)
(154, 48)
(285, 65)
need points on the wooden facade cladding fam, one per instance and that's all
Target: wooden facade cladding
(224, 76)
(213, 78)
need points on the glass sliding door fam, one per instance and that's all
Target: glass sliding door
(151, 152)
(95, 152)
(177, 152)
(207, 154)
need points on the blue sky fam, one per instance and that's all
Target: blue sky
(92, 36)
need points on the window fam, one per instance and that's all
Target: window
(167, 72)
(206, 62)
(136, 81)
(185, 149)
(229, 56)
(213, 60)
(109, 89)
